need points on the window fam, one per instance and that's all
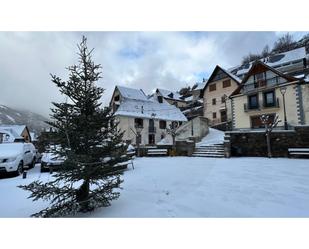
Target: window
(226, 83)
(212, 87)
(116, 98)
(138, 122)
(214, 115)
(160, 99)
(223, 99)
(162, 124)
(259, 76)
(253, 101)
(257, 123)
(213, 101)
(269, 99)
(259, 80)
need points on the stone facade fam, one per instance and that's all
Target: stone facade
(253, 143)
(220, 84)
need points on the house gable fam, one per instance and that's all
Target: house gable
(261, 75)
(219, 74)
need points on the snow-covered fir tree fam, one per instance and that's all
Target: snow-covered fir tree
(89, 140)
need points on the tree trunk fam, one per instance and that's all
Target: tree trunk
(82, 196)
(268, 144)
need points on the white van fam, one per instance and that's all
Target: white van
(14, 156)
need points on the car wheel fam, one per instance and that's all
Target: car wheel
(32, 163)
(43, 169)
(20, 169)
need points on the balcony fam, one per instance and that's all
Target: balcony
(261, 84)
(248, 108)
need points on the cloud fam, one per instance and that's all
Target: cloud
(144, 60)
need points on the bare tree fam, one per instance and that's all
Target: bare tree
(265, 51)
(172, 130)
(284, 43)
(269, 126)
(250, 57)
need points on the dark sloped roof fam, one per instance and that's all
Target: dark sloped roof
(260, 63)
(228, 74)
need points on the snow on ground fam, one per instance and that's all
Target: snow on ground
(191, 187)
(213, 137)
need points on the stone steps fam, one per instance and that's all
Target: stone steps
(215, 150)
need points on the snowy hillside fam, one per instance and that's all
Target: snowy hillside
(213, 137)
(34, 121)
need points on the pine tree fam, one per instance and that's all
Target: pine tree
(90, 141)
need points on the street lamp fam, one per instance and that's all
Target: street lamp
(225, 99)
(138, 129)
(283, 91)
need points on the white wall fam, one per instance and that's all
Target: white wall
(127, 124)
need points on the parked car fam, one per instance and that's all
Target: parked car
(15, 156)
(51, 159)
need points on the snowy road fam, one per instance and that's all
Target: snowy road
(192, 187)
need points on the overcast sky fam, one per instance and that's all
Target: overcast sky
(144, 60)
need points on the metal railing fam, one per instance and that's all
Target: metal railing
(274, 81)
(247, 107)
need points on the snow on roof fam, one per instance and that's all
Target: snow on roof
(234, 77)
(275, 60)
(200, 86)
(149, 109)
(169, 94)
(14, 129)
(33, 136)
(11, 134)
(190, 98)
(131, 93)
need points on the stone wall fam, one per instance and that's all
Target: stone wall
(253, 143)
(196, 128)
(183, 148)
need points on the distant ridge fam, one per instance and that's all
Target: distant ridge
(35, 122)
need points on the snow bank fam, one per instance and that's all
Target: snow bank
(165, 141)
(213, 137)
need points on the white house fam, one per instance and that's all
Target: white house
(133, 109)
(11, 133)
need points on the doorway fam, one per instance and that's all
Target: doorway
(223, 116)
(151, 139)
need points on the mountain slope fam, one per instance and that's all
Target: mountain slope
(34, 121)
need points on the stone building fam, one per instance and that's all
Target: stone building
(217, 106)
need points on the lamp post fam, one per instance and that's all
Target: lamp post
(283, 91)
(226, 123)
(138, 136)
